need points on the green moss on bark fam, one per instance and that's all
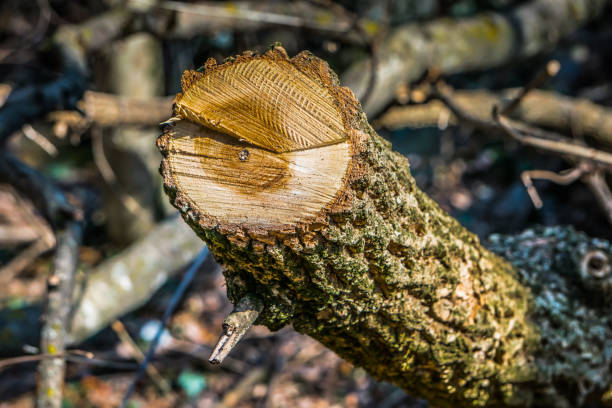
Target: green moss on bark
(393, 284)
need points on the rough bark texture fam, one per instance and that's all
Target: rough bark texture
(392, 283)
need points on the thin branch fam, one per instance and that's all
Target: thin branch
(563, 178)
(139, 356)
(105, 109)
(59, 300)
(235, 326)
(600, 188)
(178, 294)
(562, 145)
(75, 356)
(552, 68)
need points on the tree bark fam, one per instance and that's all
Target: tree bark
(376, 271)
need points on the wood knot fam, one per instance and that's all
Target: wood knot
(243, 155)
(595, 264)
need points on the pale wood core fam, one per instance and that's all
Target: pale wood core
(235, 182)
(267, 102)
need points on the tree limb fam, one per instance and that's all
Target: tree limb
(59, 302)
(456, 45)
(338, 241)
(539, 108)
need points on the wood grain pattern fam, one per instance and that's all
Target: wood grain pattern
(261, 143)
(265, 188)
(267, 102)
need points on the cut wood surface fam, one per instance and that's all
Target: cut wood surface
(348, 250)
(244, 185)
(268, 102)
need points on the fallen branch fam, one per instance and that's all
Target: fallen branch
(126, 281)
(113, 288)
(538, 108)
(192, 19)
(56, 325)
(108, 110)
(457, 45)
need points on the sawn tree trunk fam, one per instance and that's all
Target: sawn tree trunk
(276, 168)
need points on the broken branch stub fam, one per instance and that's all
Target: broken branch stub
(235, 326)
(336, 239)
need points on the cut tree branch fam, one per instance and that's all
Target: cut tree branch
(324, 222)
(104, 109)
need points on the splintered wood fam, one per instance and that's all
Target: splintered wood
(258, 142)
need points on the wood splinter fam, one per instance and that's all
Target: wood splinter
(235, 326)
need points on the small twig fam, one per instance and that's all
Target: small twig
(53, 333)
(564, 178)
(235, 326)
(178, 294)
(598, 185)
(137, 353)
(562, 145)
(75, 356)
(552, 68)
(39, 139)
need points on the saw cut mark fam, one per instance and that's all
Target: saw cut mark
(239, 183)
(268, 103)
